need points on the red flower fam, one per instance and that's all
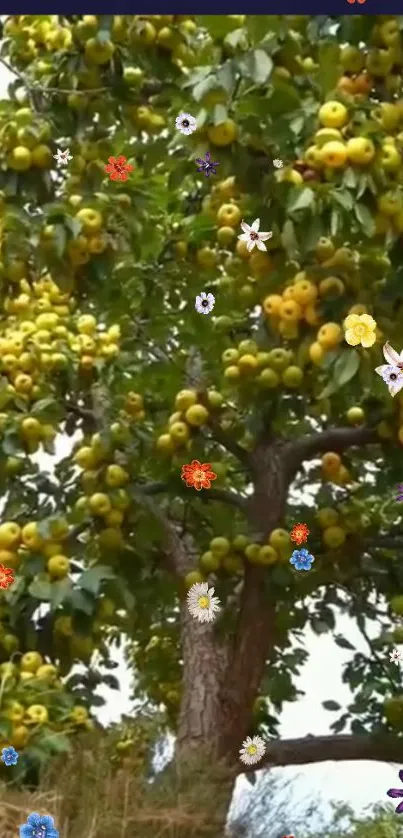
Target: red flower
(6, 576)
(117, 168)
(299, 533)
(198, 475)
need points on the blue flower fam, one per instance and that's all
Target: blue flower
(301, 559)
(38, 826)
(206, 165)
(9, 756)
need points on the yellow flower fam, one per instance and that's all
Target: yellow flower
(360, 328)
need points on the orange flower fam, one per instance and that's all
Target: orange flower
(6, 576)
(198, 475)
(118, 168)
(299, 533)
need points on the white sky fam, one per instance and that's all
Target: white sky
(359, 784)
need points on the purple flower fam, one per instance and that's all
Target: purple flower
(301, 559)
(400, 492)
(397, 793)
(206, 165)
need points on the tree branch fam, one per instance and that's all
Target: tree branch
(229, 443)
(334, 439)
(312, 749)
(222, 495)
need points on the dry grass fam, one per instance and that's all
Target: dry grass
(88, 795)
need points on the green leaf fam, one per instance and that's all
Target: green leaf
(328, 59)
(300, 199)
(343, 643)
(92, 579)
(344, 198)
(220, 114)
(364, 217)
(256, 65)
(346, 367)
(289, 239)
(217, 25)
(55, 743)
(41, 588)
(331, 705)
(60, 591)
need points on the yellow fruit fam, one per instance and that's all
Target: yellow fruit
(290, 311)
(31, 428)
(327, 135)
(247, 363)
(390, 204)
(280, 540)
(268, 378)
(333, 155)
(116, 476)
(215, 399)
(58, 567)
(312, 157)
(232, 373)
(305, 292)
(390, 158)
(165, 444)
(19, 736)
(396, 605)
(267, 555)
(193, 578)
(316, 352)
(37, 714)
(79, 715)
(334, 537)
(229, 215)
(327, 517)
(230, 356)
(42, 157)
(85, 458)
(63, 626)
(31, 661)
(226, 236)
(206, 257)
(19, 159)
(330, 335)
(185, 399)
(292, 376)
(223, 134)
(331, 285)
(271, 304)
(47, 672)
(30, 536)
(331, 462)
(355, 415)
(10, 535)
(247, 347)
(252, 552)
(99, 504)
(196, 415)
(291, 176)
(91, 220)
(333, 114)
(14, 711)
(99, 53)
(209, 562)
(179, 432)
(360, 150)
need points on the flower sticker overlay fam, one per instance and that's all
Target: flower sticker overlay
(301, 559)
(360, 329)
(186, 123)
(39, 826)
(118, 168)
(198, 475)
(396, 657)
(399, 496)
(6, 576)
(206, 165)
(392, 372)
(299, 533)
(253, 748)
(252, 237)
(205, 303)
(9, 756)
(397, 793)
(63, 157)
(202, 603)
(277, 163)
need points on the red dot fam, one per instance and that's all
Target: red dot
(362, 1)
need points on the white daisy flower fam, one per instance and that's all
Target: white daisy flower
(252, 750)
(202, 603)
(396, 656)
(186, 123)
(277, 163)
(392, 372)
(252, 236)
(205, 303)
(63, 157)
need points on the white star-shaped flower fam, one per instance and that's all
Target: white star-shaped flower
(277, 163)
(63, 157)
(202, 603)
(186, 123)
(253, 748)
(252, 237)
(392, 372)
(396, 656)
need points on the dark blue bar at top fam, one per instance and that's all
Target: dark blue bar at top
(218, 7)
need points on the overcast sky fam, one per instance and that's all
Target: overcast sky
(360, 783)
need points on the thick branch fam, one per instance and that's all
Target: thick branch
(334, 439)
(226, 440)
(384, 748)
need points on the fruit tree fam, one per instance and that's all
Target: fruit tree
(111, 381)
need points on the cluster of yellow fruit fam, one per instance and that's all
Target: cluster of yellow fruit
(333, 149)
(24, 139)
(90, 242)
(17, 542)
(269, 369)
(230, 556)
(333, 469)
(189, 415)
(133, 406)
(30, 682)
(334, 530)
(41, 334)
